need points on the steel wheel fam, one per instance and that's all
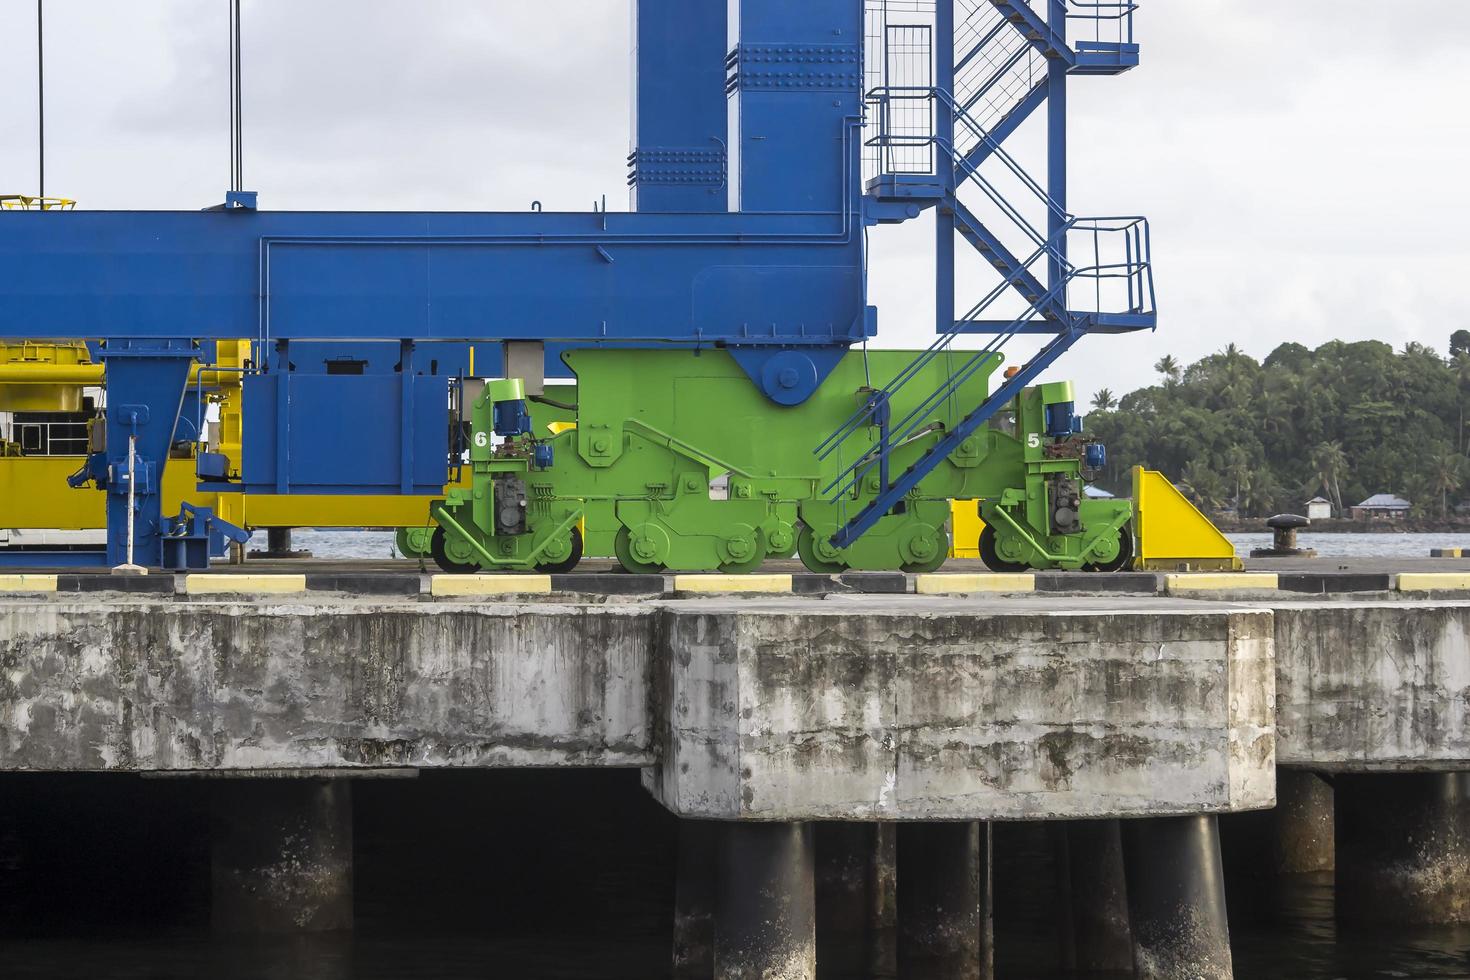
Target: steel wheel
(439, 548)
(623, 549)
(809, 549)
(569, 562)
(991, 557)
(934, 561)
(755, 560)
(1119, 561)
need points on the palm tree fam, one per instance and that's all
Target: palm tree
(1460, 363)
(1329, 462)
(1203, 486)
(1104, 401)
(1238, 470)
(1169, 368)
(1258, 493)
(1446, 476)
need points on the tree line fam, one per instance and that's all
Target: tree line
(1344, 421)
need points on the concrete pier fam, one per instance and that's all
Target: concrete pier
(857, 899)
(1096, 933)
(902, 720)
(943, 880)
(1176, 899)
(1302, 823)
(765, 904)
(281, 855)
(881, 709)
(1372, 686)
(1403, 848)
(794, 709)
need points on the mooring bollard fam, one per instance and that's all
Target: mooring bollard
(1284, 527)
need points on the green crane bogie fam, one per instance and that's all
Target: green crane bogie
(672, 459)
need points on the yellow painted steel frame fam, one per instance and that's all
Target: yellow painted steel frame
(34, 494)
(1171, 532)
(965, 526)
(28, 202)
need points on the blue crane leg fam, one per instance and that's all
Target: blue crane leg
(145, 388)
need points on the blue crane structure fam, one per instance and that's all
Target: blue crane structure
(769, 136)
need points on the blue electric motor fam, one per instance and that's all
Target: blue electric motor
(512, 418)
(1062, 420)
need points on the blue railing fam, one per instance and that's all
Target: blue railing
(1133, 272)
(1112, 19)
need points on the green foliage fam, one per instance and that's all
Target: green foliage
(1345, 421)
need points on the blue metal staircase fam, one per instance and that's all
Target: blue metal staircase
(1007, 61)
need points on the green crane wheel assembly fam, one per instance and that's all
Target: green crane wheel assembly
(673, 460)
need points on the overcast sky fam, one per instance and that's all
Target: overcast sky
(1303, 162)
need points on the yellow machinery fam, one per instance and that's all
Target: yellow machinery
(1170, 533)
(50, 377)
(965, 526)
(45, 377)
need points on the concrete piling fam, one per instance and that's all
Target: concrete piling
(694, 900)
(943, 901)
(857, 900)
(1303, 822)
(1403, 848)
(1095, 928)
(1176, 898)
(765, 902)
(281, 855)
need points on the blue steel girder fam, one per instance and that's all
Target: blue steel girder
(690, 278)
(779, 281)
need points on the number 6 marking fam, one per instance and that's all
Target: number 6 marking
(482, 440)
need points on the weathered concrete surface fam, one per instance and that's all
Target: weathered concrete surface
(1370, 687)
(1304, 823)
(163, 685)
(944, 709)
(769, 709)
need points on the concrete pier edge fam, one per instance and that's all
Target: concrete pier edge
(428, 583)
